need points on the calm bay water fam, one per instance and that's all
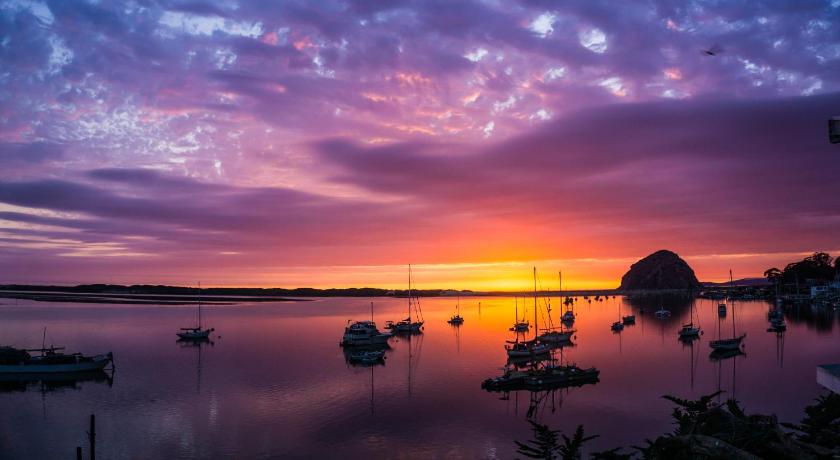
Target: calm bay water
(275, 384)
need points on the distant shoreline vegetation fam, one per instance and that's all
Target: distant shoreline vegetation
(818, 267)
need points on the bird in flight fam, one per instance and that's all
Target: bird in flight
(713, 50)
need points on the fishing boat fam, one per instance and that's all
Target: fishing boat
(519, 325)
(408, 326)
(456, 318)
(197, 332)
(51, 360)
(733, 343)
(689, 331)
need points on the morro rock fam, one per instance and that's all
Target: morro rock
(661, 270)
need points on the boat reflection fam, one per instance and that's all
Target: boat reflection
(366, 357)
(196, 343)
(49, 382)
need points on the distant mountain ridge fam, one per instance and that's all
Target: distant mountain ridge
(739, 282)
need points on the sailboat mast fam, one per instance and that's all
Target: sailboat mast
(199, 304)
(733, 304)
(409, 294)
(536, 323)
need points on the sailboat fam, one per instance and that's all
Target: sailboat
(519, 326)
(552, 335)
(569, 315)
(407, 325)
(690, 331)
(533, 347)
(618, 326)
(195, 333)
(456, 318)
(662, 312)
(728, 344)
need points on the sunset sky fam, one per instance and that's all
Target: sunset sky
(255, 143)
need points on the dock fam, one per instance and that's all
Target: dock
(828, 375)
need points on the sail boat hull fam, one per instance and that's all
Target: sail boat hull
(194, 334)
(82, 364)
(727, 344)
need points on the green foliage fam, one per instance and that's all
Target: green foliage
(817, 266)
(546, 443)
(821, 424)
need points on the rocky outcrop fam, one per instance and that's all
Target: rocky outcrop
(661, 270)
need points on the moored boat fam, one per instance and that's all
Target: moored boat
(363, 334)
(197, 332)
(50, 361)
(629, 319)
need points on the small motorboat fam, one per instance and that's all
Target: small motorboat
(629, 319)
(663, 313)
(722, 310)
(617, 326)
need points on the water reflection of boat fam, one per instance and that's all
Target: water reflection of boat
(721, 355)
(365, 357)
(47, 382)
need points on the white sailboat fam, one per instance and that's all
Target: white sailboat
(197, 332)
(532, 347)
(407, 325)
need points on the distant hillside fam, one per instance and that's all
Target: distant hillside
(253, 292)
(660, 271)
(741, 282)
